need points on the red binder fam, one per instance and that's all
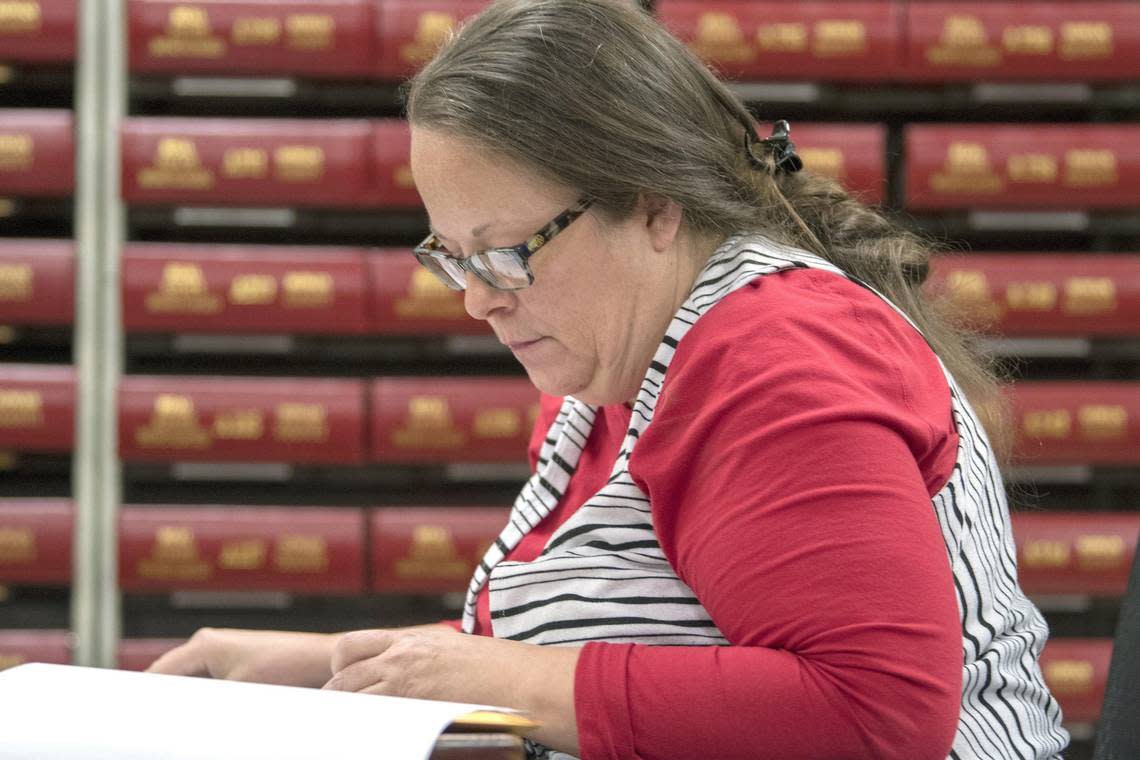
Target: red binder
(321, 39)
(1076, 671)
(855, 155)
(38, 31)
(1073, 423)
(411, 31)
(37, 152)
(1039, 294)
(391, 156)
(1075, 552)
(1057, 40)
(409, 300)
(37, 282)
(1018, 166)
(772, 41)
(35, 542)
(452, 419)
(37, 407)
(216, 419)
(252, 162)
(19, 647)
(303, 550)
(430, 550)
(250, 289)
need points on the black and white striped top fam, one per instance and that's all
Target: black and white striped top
(603, 576)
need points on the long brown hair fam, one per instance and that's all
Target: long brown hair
(598, 95)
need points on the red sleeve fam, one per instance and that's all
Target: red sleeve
(814, 426)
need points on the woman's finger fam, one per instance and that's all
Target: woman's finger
(185, 660)
(359, 676)
(360, 645)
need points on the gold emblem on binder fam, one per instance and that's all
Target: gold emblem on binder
(176, 165)
(428, 298)
(428, 425)
(298, 163)
(826, 161)
(1047, 423)
(174, 556)
(253, 290)
(17, 546)
(310, 31)
(240, 425)
(248, 554)
(308, 290)
(301, 423)
(432, 30)
(1083, 40)
(301, 554)
(964, 42)
(1102, 422)
(1086, 167)
(498, 423)
(720, 38)
(783, 37)
(967, 169)
(1045, 553)
(245, 163)
(1031, 296)
(1069, 676)
(1089, 295)
(11, 660)
(183, 290)
(187, 35)
(16, 282)
(1028, 39)
(20, 17)
(17, 152)
(253, 31)
(21, 409)
(1100, 552)
(969, 292)
(1032, 168)
(173, 424)
(433, 554)
(838, 38)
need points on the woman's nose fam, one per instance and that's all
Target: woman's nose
(480, 299)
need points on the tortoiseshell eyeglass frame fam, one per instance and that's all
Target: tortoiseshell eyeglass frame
(488, 264)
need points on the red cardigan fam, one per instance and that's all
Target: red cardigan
(801, 432)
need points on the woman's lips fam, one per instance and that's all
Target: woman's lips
(519, 346)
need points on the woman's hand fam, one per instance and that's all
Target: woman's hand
(438, 663)
(278, 657)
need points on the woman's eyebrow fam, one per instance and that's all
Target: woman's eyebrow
(476, 233)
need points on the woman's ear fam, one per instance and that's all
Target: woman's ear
(662, 220)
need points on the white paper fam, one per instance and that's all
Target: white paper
(64, 711)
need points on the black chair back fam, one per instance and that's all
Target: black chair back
(1118, 731)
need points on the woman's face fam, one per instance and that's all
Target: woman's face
(603, 292)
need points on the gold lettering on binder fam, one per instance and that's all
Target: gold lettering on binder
(174, 556)
(301, 554)
(183, 290)
(253, 290)
(826, 161)
(403, 177)
(310, 31)
(11, 660)
(187, 36)
(17, 152)
(173, 424)
(719, 37)
(254, 31)
(245, 163)
(1069, 676)
(176, 165)
(17, 546)
(308, 290)
(433, 554)
(839, 38)
(964, 42)
(1032, 168)
(240, 425)
(967, 169)
(298, 163)
(301, 423)
(498, 423)
(7, 207)
(428, 298)
(1045, 553)
(1089, 295)
(1030, 39)
(432, 29)
(1082, 40)
(1031, 296)
(16, 282)
(784, 37)
(1100, 552)
(1047, 423)
(21, 409)
(8, 460)
(1102, 422)
(1085, 167)
(20, 17)
(243, 555)
(428, 425)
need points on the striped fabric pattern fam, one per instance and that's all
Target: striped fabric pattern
(603, 576)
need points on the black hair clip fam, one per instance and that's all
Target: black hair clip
(779, 144)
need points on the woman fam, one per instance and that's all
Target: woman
(765, 520)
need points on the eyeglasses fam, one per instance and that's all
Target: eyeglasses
(501, 268)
